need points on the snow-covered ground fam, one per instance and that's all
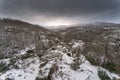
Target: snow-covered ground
(60, 61)
(65, 72)
(28, 73)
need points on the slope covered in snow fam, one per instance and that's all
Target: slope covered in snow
(58, 63)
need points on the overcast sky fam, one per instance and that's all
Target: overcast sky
(61, 12)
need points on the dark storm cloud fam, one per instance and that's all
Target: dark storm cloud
(61, 7)
(44, 11)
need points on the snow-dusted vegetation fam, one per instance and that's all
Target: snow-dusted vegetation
(30, 52)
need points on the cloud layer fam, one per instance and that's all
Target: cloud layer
(53, 9)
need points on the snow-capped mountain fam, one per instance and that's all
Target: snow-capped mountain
(31, 52)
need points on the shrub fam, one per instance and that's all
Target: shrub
(12, 61)
(92, 60)
(52, 71)
(3, 67)
(37, 78)
(113, 67)
(45, 78)
(115, 78)
(25, 56)
(103, 75)
(9, 79)
(110, 66)
(2, 56)
(75, 66)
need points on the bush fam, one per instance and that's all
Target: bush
(103, 75)
(110, 66)
(2, 56)
(3, 67)
(12, 61)
(92, 60)
(75, 66)
(115, 78)
(45, 78)
(25, 56)
(9, 79)
(52, 71)
(37, 78)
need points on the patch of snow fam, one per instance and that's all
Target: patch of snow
(5, 61)
(115, 75)
(66, 73)
(67, 59)
(78, 43)
(22, 52)
(29, 73)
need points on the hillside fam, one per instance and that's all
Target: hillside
(31, 52)
(102, 43)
